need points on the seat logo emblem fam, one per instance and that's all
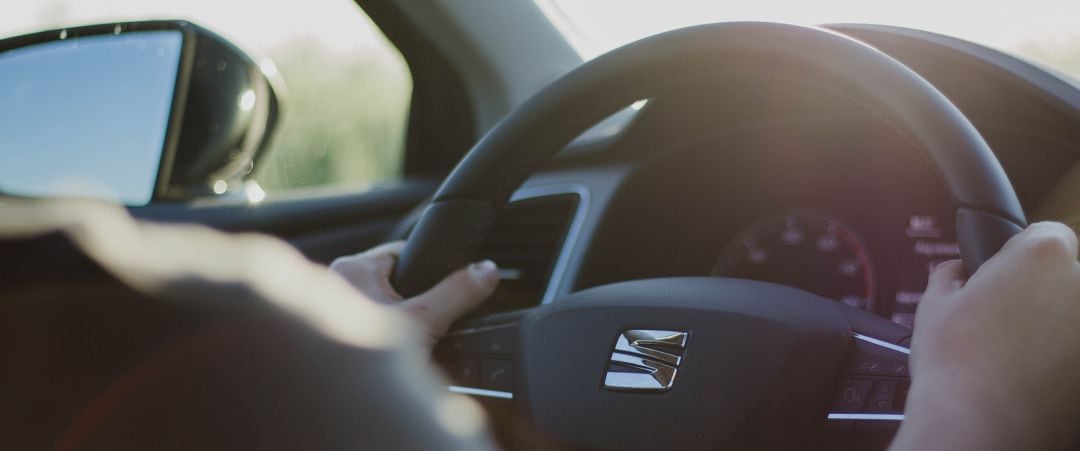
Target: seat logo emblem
(645, 360)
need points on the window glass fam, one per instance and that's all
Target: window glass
(1045, 31)
(348, 89)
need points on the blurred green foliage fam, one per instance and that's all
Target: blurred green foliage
(344, 117)
(345, 113)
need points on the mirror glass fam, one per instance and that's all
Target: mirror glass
(87, 116)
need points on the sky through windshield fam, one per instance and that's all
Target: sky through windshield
(1046, 31)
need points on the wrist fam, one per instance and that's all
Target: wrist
(964, 411)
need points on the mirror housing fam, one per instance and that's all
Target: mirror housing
(231, 110)
(94, 106)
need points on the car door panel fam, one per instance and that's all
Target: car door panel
(322, 226)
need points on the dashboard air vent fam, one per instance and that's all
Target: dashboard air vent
(526, 242)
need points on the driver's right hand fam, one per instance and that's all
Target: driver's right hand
(996, 358)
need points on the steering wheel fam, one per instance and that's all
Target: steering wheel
(691, 363)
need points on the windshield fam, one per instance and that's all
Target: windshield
(1044, 31)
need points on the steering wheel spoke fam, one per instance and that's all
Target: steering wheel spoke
(873, 382)
(478, 356)
(866, 403)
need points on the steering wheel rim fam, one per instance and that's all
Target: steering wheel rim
(451, 229)
(449, 232)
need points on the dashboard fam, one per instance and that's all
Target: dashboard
(786, 187)
(838, 206)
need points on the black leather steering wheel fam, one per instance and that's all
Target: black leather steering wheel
(756, 363)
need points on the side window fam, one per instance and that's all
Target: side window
(345, 112)
(348, 89)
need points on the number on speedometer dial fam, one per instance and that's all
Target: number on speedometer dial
(810, 251)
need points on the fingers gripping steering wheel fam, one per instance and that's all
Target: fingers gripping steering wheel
(758, 362)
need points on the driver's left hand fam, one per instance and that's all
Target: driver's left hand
(436, 308)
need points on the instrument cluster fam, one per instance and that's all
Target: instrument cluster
(822, 253)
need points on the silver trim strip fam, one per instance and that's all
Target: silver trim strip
(576, 224)
(473, 330)
(873, 416)
(480, 392)
(882, 343)
(867, 416)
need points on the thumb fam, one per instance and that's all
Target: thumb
(458, 293)
(945, 279)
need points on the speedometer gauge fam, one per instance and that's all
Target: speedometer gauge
(805, 250)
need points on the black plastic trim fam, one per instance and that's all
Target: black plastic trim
(441, 123)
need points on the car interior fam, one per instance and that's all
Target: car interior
(711, 238)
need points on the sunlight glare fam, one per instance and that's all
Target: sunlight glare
(332, 23)
(254, 192)
(1009, 26)
(268, 68)
(247, 100)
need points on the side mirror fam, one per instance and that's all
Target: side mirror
(135, 112)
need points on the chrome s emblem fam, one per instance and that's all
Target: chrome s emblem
(645, 360)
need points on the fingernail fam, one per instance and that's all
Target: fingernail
(485, 271)
(384, 260)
